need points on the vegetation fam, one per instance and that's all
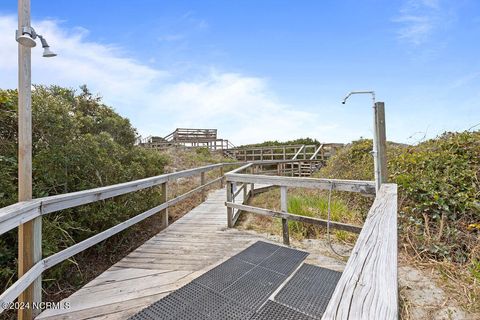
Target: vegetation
(78, 143)
(439, 205)
(305, 202)
(439, 194)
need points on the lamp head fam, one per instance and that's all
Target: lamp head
(27, 38)
(47, 53)
(26, 41)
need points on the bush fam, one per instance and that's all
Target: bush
(439, 190)
(78, 143)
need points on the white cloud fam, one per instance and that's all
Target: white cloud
(419, 19)
(241, 107)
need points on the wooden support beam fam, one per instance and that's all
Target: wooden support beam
(295, 217)
(202, 182)
(229, 199)
(164, 212)
(221, 175)
(381, 142)
(284, 208)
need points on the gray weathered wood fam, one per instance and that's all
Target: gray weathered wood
(29, 232)
(174, 262)
(229, 209)
(368, 286)
(284, 208)
(202, 182)
(21, 284)
(314, 155)
(294, 217)
(164, 212)
(14, 215)
(381, 142)
(365, 187)
(221, 175)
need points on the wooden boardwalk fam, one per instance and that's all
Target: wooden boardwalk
(189, 247)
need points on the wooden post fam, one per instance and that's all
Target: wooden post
(381, 142)
(202, 182)
(229, 199)
(245, 193)
(221, 175)
(164, 212)
(284, 208)
(29, 233)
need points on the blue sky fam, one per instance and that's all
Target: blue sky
(266, 69)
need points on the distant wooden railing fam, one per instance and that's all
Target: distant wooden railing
(14, 215)
(286, 152)
(368, 287)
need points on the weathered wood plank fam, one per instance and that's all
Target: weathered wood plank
(365, 187)
(368, 286)
(284, 208)
(294, 217)
(182, 247)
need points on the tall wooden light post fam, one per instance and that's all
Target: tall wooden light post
(29, 233)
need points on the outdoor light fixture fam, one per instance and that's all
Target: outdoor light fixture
(27, 39)
(47, 53)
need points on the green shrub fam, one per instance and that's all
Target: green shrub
(78, 143)
(439, 190)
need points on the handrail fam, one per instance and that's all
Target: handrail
(29, 277)
(368, 287)
(314, 156)
(19, 213)
(365, 187)
(293, 217)
(16, 214)
(298, 152)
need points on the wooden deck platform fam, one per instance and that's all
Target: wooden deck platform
(189, 247)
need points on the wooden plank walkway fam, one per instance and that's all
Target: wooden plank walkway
(186, 249)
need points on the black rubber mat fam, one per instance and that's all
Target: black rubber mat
(235, 289)
(253, 289)
(309, 290)
(194, 301)
(284, 260)
(273, 311)
(225, 274)
(257, 252)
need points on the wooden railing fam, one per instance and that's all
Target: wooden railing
(14, 215)
(286, 152)
(368, 286)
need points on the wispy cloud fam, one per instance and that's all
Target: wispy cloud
(241, 106)
(419, 20)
